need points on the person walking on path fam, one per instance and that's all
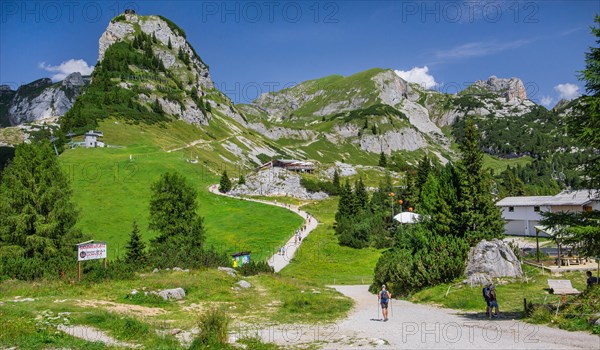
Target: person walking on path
(486, 297)
(493, 301)
(384, 297)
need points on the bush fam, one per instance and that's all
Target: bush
(254, 268)
(213, 330)
(174, 253)
(415, 262)
(319, 186)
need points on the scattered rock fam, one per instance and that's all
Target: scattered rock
(176, 293)
(595, 319)
(244, 284)
(21, 300)
(492, 259)
(230, 271)
(94, 335)
(134, 292)
(155, 270)
(177, 269)
(175, 331)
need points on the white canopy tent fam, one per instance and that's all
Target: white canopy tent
(407, 217)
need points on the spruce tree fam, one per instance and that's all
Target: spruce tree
(173, 209)
(585, 125)
(382, 160)
(241, 180)
(136, 248)
(479, 216)
(336, 181)
(361, 196)
(169, 45)
(37, 215)
(225, 183)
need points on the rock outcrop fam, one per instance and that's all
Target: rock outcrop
(43, 99)
(491, 259)
(275, 182)
(511, 89)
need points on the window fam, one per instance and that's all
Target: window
(511, 209)
(536, 209)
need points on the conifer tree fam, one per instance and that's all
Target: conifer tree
(361, 196)
(169, 45)
(37, 216)
(479, 216)
(173, 210)
(225, 183)
(382, 160)
(241, 180)
(136, 248)
(336, 181)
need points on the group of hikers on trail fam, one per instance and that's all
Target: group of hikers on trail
(489, 295)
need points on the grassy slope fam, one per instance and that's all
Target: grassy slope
(111, 192)
(321, 259)
(271, 299)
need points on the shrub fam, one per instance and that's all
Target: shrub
(213, 330)
(254, 268)
(415, 262)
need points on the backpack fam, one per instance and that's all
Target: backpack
(384, 295)
(485, 292)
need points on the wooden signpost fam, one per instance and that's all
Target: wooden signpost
(90, 250)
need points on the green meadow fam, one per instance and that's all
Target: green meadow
(111, 190)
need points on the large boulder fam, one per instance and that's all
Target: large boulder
(491, 259)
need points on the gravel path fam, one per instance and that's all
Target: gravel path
(279, 261)
(416, 326)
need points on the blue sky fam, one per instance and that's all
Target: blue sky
(257, 46)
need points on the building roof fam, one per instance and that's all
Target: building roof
(94, 133)
(565, 198)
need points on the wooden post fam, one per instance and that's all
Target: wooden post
(104, 264)
(525, 306)
(79, 271)
(537, 245)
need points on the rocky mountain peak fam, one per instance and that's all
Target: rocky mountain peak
(512, 89)
(5, 88)
(171, 40)
(73, 80)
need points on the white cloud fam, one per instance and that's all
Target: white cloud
(418, 75)
(478, 49)
(567, 91)
(67, 67)
(546, 101)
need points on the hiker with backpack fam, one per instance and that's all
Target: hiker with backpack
(384, 297)
(486, 297)
(493, 301)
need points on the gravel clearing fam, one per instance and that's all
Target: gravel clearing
(416, 326)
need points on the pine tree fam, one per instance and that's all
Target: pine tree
(361, 196)
(37, 216)
(374, 129)
(136, 248)
(241, 180)
(225, 183)
(382, 160)
(423, 171)
(585, 126)
(479, 216)
(336, 181)
(169, 45)
(346, 204)
(173, 212)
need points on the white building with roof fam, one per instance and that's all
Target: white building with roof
(522, 214)
(91, 139)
